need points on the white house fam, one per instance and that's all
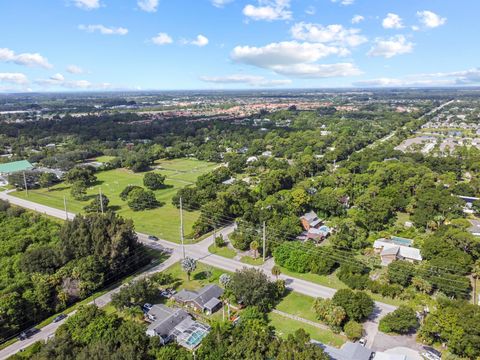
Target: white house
(390, 251)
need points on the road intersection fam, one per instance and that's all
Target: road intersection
(198, 251)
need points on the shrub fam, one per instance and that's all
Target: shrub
(353, 330)
(401, 272)
(140, 199)
(358, 305)
(125, 192)
(219, 241)
(4, 205)
(401, 321)
(354, 274)
(154, 181)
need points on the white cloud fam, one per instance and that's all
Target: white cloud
(430, 20)
(200, 41)
(104, 30)
(14, 78)
(251, 80)
(344, 2)
(162, 39)
(391, 47)
(462, 78)
(296, 59)
(392, 21)
(310, 71)
(74, 69)
(357, 19)
(59, 81)
(57, 77)
(334, 34)
(87, 4)
(283, 53)
(220, 3)
(148, 5)
(391, 82)
(28, 59)
(269, 10)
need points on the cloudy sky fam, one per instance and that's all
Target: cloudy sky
(56, 45)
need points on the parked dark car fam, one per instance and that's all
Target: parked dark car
(152, 238)
(59, 318)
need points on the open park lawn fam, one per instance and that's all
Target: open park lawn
(163, 221)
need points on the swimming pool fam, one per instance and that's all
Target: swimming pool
(196, 338)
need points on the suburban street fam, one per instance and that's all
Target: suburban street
(197, 251)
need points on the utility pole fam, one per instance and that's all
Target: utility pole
(264, 241)
(181, 227)
(101, 199)
(223, 311)
(25, 182)
(65, 206)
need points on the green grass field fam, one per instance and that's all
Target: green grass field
(163, 222)
(298, 304)
(202, 276)
(285, 326)
(104, 159)
(251, 261)
(333, 282)
(330, 281)
(222, 251)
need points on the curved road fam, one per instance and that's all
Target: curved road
(197, 251)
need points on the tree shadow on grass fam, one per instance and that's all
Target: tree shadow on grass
(62, 188)
(203, 275)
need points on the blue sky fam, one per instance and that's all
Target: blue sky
(56, 45)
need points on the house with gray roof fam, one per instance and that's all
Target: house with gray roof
(173, 324)
(390, 250)
(349, 351)
(311, 220)
(206, 299)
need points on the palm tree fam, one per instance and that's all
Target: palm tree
(276, 271)
(189, 265)
(475, 275)
(225, 280)
(254, 247)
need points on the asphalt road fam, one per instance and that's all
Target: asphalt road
(197, 251)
